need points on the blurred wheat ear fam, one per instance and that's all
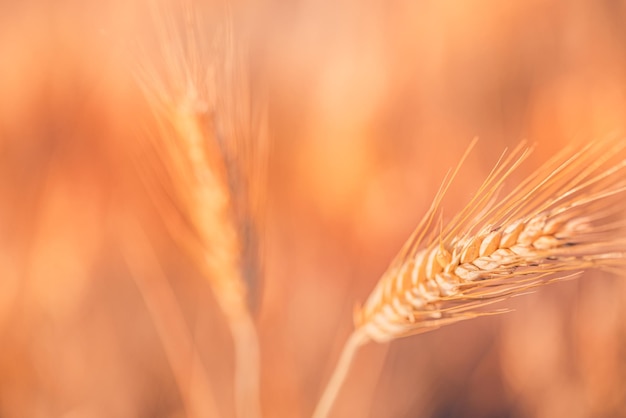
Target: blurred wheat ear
(205, 163)
(561, 220)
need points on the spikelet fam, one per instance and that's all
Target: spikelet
(561, 220)
(207, 180)
(564, 218)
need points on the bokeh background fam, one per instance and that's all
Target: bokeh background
(370, 104)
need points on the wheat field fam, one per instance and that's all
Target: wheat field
(136, 284)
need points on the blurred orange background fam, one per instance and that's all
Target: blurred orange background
(370, 104)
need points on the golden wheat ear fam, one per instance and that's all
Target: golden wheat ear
(564, 218)
(205, 163)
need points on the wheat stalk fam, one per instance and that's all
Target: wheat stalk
(561, 220)
(176, 338)
(208, 175)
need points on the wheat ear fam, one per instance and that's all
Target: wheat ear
(561, 220)
(208, 173)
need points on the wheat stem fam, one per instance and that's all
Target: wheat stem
(356, 340)
(247, 369)
(180, 349)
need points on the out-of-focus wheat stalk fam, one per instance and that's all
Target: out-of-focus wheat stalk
(561, 220)
(207, 180)
(177, 340)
